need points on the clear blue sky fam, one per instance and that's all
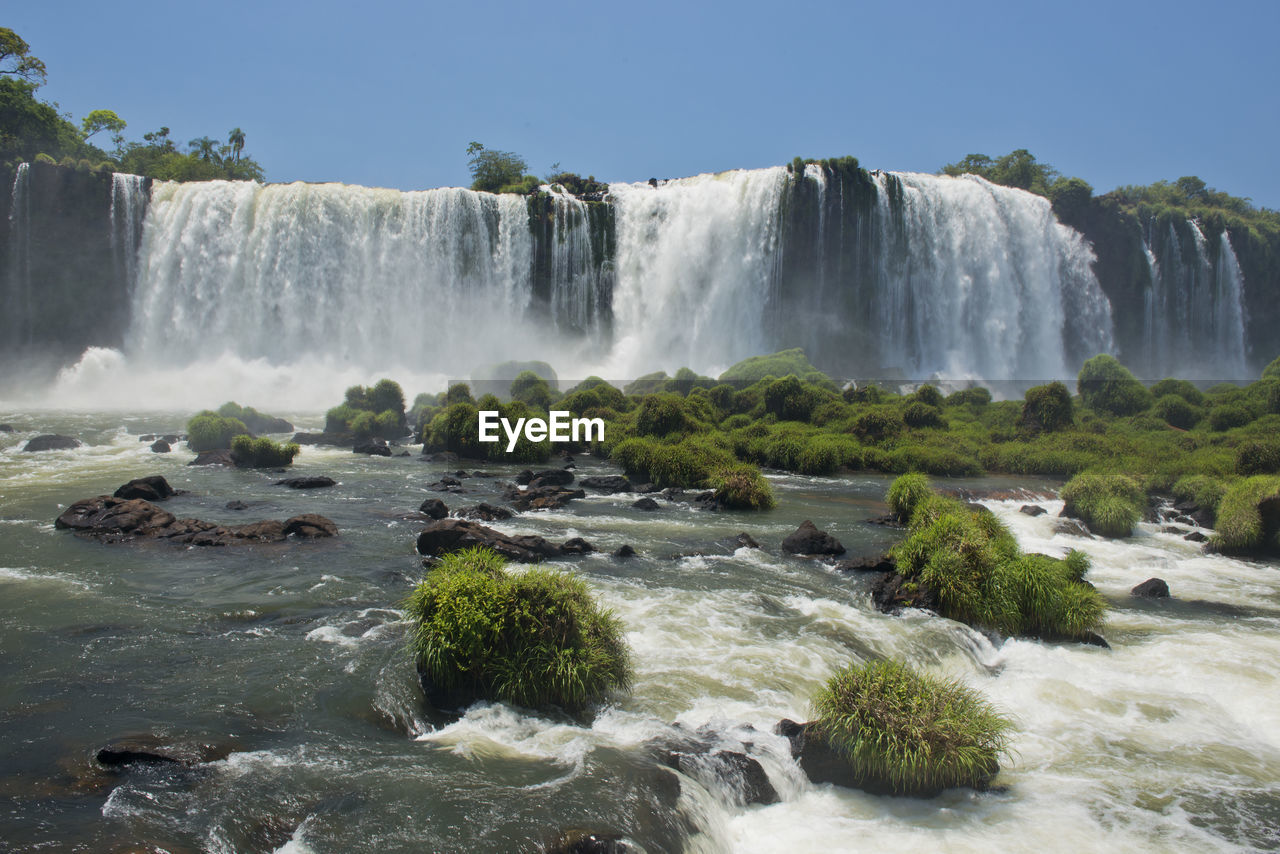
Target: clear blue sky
(390, 94)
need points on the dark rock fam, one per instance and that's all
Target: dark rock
(645, 503)
(404, 454)
(808, 540)
(447, 484)
(743, 540)
(6, 428)
(1073, 527)
(310, 526)
(313, 482)
(673, 493)
(450, 535)
(588, 842)
(439, 456)
(540, 497)
(220, 457)
(51, 442)
(121, 754)
(1152, 588)
(524, 477)
(722, 769)
(1172, 529)
(374, 447)
(624, 551)
(160, 446)
(153, 488)
(708, 501)
(610, 483)
(645, 488)
(881, 563)
(485, 513)
(339, 439)
(1196, 537)
(551, 477)
(891, 593)
(117, 758)
(577, 546)
(237, 505)
(887, 521)
(460, 473)
(434, 507)
(1032, 510)
(108, 519)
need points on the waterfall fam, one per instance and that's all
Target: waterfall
(1194, 324)
(696, 263)
(128, 207)
(18, 296)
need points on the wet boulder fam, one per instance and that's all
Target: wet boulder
(451, 535)
(808, 540)
(1032, 510)
(219, 457)
(108, 519)
(310, 482)
(160, 446)
(51, 442)
(153, 488)
(433, 507)
(485, 512)
(540, 497)
(1152, 588)
(608, 484)
(878, 563)
(374, 447)
(551, 477)
(646, 503)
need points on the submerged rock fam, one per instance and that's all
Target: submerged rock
(808, 540)
(434, 507)
(1152, 588)
(153, 488)
(51, 442)
(127, 752)
(219, 457)
(879, 563)
(322, 439)
(374, 447)
(645, 503)
(540, 497)
(450, 535)
(108, 519)
(608, 484)
(550, 477)
(160, 446)
(6, 428)
(1196, 537)
(312, 482)
(1032, 510)
(485, 513)
(623, 551)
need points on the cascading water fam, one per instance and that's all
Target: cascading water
(18, 298)
(128, 207)
(1195, 324)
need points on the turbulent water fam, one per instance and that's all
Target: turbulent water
(291, 659)
(285, 293)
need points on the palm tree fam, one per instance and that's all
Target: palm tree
(204, 147)
(236, 138)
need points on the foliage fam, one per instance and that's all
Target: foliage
(906, 493)
(366, 412)
(532, 389)
(664, 414)
(537, 638)
(1272, 371)
(1018, 168)
(1229, 416)
(1108, 386)
(909, 732)
(209, 431)
(255, 421)
(16, 59)
(691, 462)
(262, 452)
(1205, 491)
(742, 487)
(1110, 504)
(919, 414)
(1258, 457)
(788, 399)
(778, 364)
(1174, 410)
(876, 425)
(972, 563)
(495, 171)
(1047, 408)
(1182, 388)
(1249, 517)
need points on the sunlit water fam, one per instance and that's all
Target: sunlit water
(292, 657)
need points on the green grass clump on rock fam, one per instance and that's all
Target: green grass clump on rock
(973, 565)
(262, 452)
(908, 732)
(1047, 408)
(1109, 504)
(1249, 517)
(742, 487)
(1174, 410)
(905, 493)
(535, 638)
(778, 364)
(209, 431)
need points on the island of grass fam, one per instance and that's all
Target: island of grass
(888, 729)
(963, 563)
(534, 638)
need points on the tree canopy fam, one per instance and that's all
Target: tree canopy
(496, 171)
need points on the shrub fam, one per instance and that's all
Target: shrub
(1110, 504)
(688, 463)
(872, 394)
(1107, 386)
(827, 453)
(1272, 371)
(1229, 416)
(928, 395)
(1205, 491)
(910, 733)
(742, 487)
(1174, 410)
(208, 431)
(253, 420)
(975, 397)
(1249, 517)
(1047, 408)
(1258, 458)
(458, 393)
(532, 389)
(663, 414)
(974, 567)
(918, 414)
(1182, 388)
(778, 364)
(648, 384)
(262, 452)
(877, 425)
(534, 639)
(905, 493)
(788, 399)
(456, 428)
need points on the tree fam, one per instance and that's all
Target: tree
(493, 170)
(206, 148)
(1018, 168)
(16, 58)
(100, 120)
(236, 140)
